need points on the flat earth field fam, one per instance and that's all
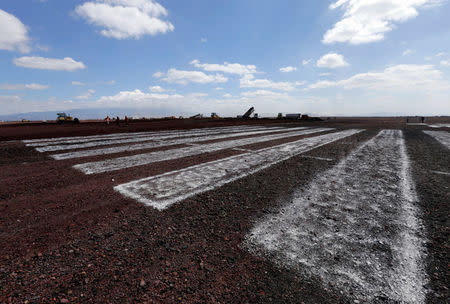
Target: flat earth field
(348, 210)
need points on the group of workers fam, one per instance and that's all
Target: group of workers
(117, 120)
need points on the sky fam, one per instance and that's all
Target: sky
(171, 57)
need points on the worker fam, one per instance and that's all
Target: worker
(126, 120)
(107, 120)
(118, 120)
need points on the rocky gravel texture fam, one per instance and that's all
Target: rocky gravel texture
(66, 237)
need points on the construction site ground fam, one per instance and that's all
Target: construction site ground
(67, 236)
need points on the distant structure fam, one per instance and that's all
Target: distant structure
(248, 113)
(198, 116)
(294, 116)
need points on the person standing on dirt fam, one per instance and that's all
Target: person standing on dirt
(107, 120)
(118, 120)
(126, 120)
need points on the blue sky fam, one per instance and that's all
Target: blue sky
(346, 57)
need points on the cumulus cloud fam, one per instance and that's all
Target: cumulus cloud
(440, 54)
(445, 63)
(77, 83)
(86, 95)
(332, 61)
(157, 89)
(249, 81)
(136, 98)
(229, 68)
(123, 19)
(185, 77)
(66, 64)
(13, 34)
(398, 77)
(306, 62)
(288, 69)
(368, 21)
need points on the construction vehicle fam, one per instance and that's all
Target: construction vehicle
(64, 118)
(215, 115)
(198, 116)
(248, 113)
(296, 116)
(280, 116)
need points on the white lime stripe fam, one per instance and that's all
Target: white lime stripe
(164, 190)
(442, 136)
(153, 136)
(152, 157)
(81, 139)
(355, 226)
(169, 142)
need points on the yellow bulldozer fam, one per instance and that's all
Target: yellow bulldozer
(64, 118)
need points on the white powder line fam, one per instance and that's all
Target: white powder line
(75, 139)
(355, 226)
(440, 125)
(441, 172)
(152, 157)
(164, 143)
(156, 136)
(318, 158)
(163, 190)
(442, 136)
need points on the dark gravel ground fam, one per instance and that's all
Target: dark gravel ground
(69, 238)
(429, 155)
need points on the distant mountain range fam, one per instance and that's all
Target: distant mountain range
(100, 113)
(84, 114)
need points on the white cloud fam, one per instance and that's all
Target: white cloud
(203, 40)
(16, 87)
(324, 74)
(263, 93)
(66, 64)
(249, 81)
(288, 69)
(229, 68)
(13, 34)
(86, 95)
(185, 77)
(157, 89)
(111, 82)
(306, 62)
(158, 75)
(332, 61)
(227, 95)
(135, 98)
(407, 52)
(219, 88)
(440, 54)
(368, 21)
(77, 83)
(122, 19)
(398, 77)
(445, 63)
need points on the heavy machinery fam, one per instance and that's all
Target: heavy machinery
(64, 118)
(215, 115)
(248, 113)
